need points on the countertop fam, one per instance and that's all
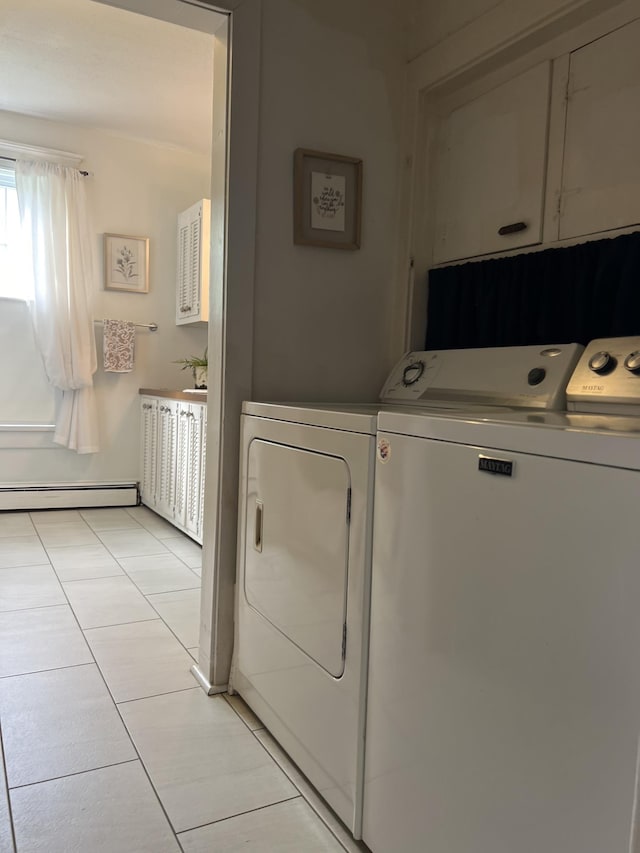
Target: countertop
(172, 394)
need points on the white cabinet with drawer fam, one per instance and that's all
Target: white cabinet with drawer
(557, 142)
(488, 170)
(172, 456)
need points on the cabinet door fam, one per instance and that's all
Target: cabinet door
(192, 284)
(193, 500)
(601, 172)
(149, 437)
(203, 468)
(489, 168)
(167, 449)
(183, 444)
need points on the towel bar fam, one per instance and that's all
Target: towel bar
(153, 327)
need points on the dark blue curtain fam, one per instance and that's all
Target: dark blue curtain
(561, 295)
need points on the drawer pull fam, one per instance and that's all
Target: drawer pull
(514, 228)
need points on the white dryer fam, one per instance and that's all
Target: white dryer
(504, 687)
(304, 549)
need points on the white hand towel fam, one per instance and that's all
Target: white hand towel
(119, 341)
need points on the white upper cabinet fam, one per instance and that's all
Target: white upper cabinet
(601, 170)
(192, 284)
(488, 169)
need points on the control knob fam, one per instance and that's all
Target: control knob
(536, 375)
(412, 373)
(632, 362)
(602, 362)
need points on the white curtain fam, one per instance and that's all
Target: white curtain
(55, 221)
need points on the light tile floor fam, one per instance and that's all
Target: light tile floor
(107, 745)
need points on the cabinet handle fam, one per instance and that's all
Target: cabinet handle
(259, 517)
(514, 228)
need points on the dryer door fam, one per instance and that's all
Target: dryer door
(296, 553)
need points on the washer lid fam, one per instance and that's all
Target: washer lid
(596, 439)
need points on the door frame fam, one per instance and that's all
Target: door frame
(234, 181)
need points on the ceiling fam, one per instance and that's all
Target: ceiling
(84, 63)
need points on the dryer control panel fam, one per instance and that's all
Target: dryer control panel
(531, 376)
(607, 378)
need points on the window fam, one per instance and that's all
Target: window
(14, 283)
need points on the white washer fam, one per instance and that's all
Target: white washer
(504, 685)
(304, 552)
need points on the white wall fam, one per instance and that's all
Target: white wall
(331, 80)
(136, 188)
(431, 22)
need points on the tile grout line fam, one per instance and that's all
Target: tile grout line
(97, 665)
(311, 805)
(298, 796)
(36, 607)
(98, 627)
(126, 701)
(196, 686)
(52, 669)
(135, 748)
(73, 773)
(3, 769)
(73, 613)
(161, 617)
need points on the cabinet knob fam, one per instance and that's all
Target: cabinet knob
(513, 228)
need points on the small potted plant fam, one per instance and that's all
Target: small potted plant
(198, 364)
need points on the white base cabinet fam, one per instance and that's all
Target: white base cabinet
(173, 461)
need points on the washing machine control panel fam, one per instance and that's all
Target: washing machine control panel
(531, 376)
(607, 378)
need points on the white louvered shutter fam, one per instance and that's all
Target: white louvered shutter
(167, 447)
(149, 433)
(182, 462)
(193, 263)
(192, 522)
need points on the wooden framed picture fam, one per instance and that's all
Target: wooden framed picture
(126, 263)
(327, 206)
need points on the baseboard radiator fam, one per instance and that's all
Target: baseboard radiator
(68, 496)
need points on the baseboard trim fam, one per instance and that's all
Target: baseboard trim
(67, 495)
(209, 689)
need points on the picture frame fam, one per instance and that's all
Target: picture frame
(126, 263)
(327, 207)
